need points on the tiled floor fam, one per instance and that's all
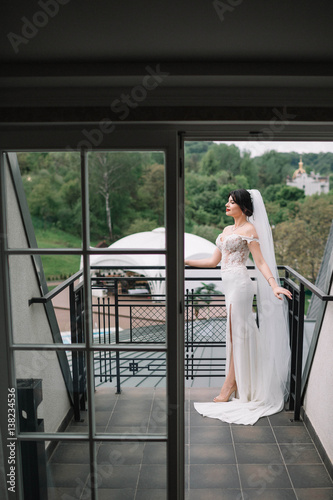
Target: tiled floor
(273, 460)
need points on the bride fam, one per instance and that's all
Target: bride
(257, 361)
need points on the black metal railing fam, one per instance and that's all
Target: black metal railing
(127, 315)
(297, 284)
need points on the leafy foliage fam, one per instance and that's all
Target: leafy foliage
(126, 193)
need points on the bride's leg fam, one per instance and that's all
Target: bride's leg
(229, 385)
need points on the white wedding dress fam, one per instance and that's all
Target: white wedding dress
(259, 392)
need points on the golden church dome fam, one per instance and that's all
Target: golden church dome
(300, 169)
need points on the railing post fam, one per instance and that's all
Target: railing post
(299, 352)
(186, 333)
(74, 340)
(192, 331)
(116, 317)
(292, 311)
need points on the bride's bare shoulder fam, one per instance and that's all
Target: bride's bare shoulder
(250, 230)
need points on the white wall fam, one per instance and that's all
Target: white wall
(30, 324)
(318, 402)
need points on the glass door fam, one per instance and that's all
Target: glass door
(92, 300)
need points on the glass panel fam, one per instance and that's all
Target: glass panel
(56, 470)
(132, 470)
(129, 307)
(126, 191)
(295, 180)
(61, 319)
(49, 182)
(51, 390)
(138, 409)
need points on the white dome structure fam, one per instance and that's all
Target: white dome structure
(195, 248)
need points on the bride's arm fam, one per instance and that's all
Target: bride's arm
(266, 272)
(210, 262)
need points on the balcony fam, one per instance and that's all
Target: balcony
(274, 459)
(277, 458)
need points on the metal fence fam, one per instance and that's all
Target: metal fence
(120, 318)
(123, 318)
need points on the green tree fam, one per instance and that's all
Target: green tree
(301, 242)
(151, 193)
(221, 157)
(113, 188)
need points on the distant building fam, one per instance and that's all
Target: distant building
(311, 184)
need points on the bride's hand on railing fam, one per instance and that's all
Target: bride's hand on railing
(279, 290)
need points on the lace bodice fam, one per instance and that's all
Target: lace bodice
(235, 250)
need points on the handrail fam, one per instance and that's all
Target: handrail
(313, 288)
(53, 293)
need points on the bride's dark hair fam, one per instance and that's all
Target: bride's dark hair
(243, 198)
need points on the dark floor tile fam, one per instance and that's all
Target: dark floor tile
(115, 494)
(284, 418)
(82, 429)
(212, 454)
(84, 420)
(106, 393)
(61, 493)
(102, 418)
(128, 406)
(213, 476)
(213, 494)
(154, 453)
(105, 401)
(314, 494)
(262, 477)
(126, 431)
(263, 421)
(160, 403)
(71, 453)
(300, 454)
(67, 475)
(290, 434)
(152, 494)
(120, 453)
(270, 494)
(135, 393)
(116, 476)
(210, 435)
(152, 477)
(247, 434)
(156, 429)
(137, 418)
(257, 453)
(309, 476)
(197, 419)
(205, 394)
(159, 415)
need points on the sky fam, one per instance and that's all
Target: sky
(259, 147)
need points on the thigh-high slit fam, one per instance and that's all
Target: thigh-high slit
(244, 341)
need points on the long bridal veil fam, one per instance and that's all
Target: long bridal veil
(273, 319)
